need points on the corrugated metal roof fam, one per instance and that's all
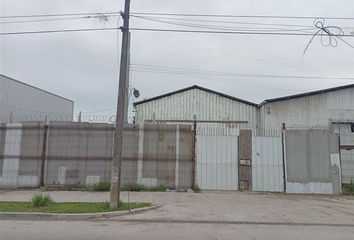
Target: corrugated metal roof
(2, 75)
(306, 94)
(195, 87)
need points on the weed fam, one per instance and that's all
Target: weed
(133, 187)
(102, 186)
(196, 189)
(159, 188)
(41, 200)
(136, 187)
(349, 188)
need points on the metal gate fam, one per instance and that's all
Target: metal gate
(347, 156)
(267, 162)
(216, 158)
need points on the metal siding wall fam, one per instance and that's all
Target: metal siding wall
(347, 157)
(31, 104)
(205, 105)
(267, 164)
(311, 111)
(311, 167)
(217, 152)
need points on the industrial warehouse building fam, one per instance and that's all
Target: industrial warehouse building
(241, 145)
(196, 137)
(21, 102)
(317, 109)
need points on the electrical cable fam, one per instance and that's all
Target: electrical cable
(238, 16)
(227, 32)
(221, 27)
(219, 73)
(60, 15)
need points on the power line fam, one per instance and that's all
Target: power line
(175, 14)
(206, 72)
(211, 80)
(55, 19)
(59, 31)
(228, 22)
(60, 15)
(166, 30)
(239, 16)
(218, 27)
(229, 32)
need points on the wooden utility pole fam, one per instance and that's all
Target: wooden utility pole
(118, 134)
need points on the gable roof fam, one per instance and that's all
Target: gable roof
(306, 94)
(191, 88)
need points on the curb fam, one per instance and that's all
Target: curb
(71, 216)
(228, 222)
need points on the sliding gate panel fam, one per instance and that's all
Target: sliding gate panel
(216, 159)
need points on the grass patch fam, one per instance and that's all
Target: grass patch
(136, 187)
(67, 207)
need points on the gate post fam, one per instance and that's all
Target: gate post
(194, 153)
(283, 154)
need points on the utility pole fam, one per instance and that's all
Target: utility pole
(118, 134)
(127, 93)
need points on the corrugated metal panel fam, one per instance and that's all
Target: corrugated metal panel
(347, 159)
(217, 159)
(31, 104)
(204, 105)
(267, 164)
(310, 111)
(311, 187)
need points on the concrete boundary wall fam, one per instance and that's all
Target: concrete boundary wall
(79, 154)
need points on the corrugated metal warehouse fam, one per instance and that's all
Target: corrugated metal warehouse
(318, 109)
(197, 103)
(22, 102)
(255, 150)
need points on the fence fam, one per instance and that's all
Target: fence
(79, 154)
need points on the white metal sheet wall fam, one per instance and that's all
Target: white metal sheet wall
(347, 157)
(216, 161)
(28, 103)
(310, 111)
(267, 164)
(204, 105)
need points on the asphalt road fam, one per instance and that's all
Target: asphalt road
(57, 230)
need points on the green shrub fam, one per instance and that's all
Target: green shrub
(133, 187)
(349, 188)
(196, 189)
(136, 187)
(41, 200)
(102, 186)
(159, 188)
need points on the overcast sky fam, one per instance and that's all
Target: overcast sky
(84, 66)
